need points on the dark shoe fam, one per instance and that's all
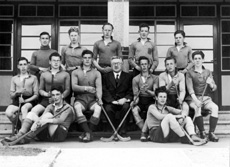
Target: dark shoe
(212, 137)
(81, 136)
(203, 135)
(88, 137)
(144, 137)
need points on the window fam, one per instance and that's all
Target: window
(198, 11)
(68, 11)
(36, 10)
(6, 45)
(225, 45)
(7, 10)
(225, 11)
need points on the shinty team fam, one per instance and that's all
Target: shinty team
(42, 90)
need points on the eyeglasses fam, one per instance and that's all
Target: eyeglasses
(118, 63)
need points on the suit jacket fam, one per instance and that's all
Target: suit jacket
(111, 92)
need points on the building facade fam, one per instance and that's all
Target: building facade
(206, 23)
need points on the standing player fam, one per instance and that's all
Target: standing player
(174, 82)
(197, 79)
(181, 52)
(72, 54)
(54, 77)
(105, 49)
(86, 83)
(40, 59)
(24, 90)
(143, 47)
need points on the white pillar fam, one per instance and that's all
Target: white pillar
(118, 15)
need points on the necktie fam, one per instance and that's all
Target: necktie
(117, 79)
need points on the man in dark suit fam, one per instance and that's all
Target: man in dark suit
(117, 93)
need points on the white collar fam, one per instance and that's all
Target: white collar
(115, 74)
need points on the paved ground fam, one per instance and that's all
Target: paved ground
(134, 153)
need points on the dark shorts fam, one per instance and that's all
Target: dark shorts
(44, 102)
(172, 101)
(87, 101)
(59, 135)
(156, 135)
(15, 101)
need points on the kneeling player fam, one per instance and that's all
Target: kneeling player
(166, 123)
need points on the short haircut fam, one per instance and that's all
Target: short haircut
(161, 89)
(179, 32)
(55, 54)
(171, 58)
(144, 25)
(23, 58)
(87, 52)
(73, 29)
(198, 52)
(116, 57)
(57, 88)
(107, 24)
(143, 58)
(44, 33)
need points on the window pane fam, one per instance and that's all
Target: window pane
(8, 26)
(45, 11)
(208, 55)
(65, 25)
(226, 63)
(225, 26)
(6, 51)
(27, 11)
(5, 64)
(92, 26)
(27, 54)
(166, 11)
(198, 30)
(64, 39)
(6, 38)
(195, 43)
(165, 39)
(225, 11)
(30, 43)
(225, 39)
(141, 11)
(35, 30)
(6, 10)
(208, 66)
(189, 11)
(226, 51)
(89, 47)
(70, 11)
(166, 26)
(89, 39)
(161, 65)
(162, 51)
(94, 11)
(207, 11)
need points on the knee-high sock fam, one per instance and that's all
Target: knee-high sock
(212, 123)
(93, 122)
(82, 121)
(200, 123)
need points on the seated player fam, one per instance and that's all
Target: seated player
(23, 92)
(174, 82)
(197, 80)
(58, 126)
(165, 123)
(146, 83)
(86, 84)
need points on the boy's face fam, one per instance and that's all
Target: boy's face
(55, 62)
(23, 66)
(56, 96)
(107, 31)
(87, 59)
(45, 40)
(170, 65)
(74, 37)
(179, 39)
(161, 98)
(144, 32)
(198, 61)
(144, 65)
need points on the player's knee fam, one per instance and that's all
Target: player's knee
(78, 108)
(135, 111)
